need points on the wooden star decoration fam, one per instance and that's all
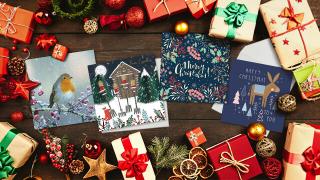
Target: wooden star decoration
(98, 167)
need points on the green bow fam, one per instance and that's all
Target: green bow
(234, 15)
(6, 161)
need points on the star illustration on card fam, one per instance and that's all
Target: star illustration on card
(273, 33)
(285, 42)
(23, 88)
(296, 52)
(98, 167)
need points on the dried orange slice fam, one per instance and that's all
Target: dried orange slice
(201, 160)
(207, 172)
(191, 178)
(188, 167)
(175, 178)
(176, 171)
(197, 150)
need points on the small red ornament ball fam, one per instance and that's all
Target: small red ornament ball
(115, 4)
(272, 167)
(4, 98)
(43, 158)
(17, 116)
(43, 17)
(13, 48)
(92, 149)
(135, 17)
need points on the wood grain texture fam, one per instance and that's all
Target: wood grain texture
(111, 45)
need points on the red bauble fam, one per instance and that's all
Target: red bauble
(43, 17)
(92, 149)
(17, 116)
(43, 158)
(115, 4)
(135, 17)
(4, 98)
(272, 167)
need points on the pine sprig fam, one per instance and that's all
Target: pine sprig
(165, 155)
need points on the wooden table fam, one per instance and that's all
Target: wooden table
(110, 45)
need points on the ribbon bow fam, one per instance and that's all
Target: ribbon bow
(312, 161)
(228, 158)
(236, 14)
(294, 20)
(6, 161)
(57, 51)
(9, 27)
(134, 163)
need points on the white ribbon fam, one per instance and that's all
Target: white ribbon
(165, 5)
(57, 51)
(201, 4)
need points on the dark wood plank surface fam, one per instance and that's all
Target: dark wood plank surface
(109, 45)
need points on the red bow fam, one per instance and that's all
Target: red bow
(113, 22)
(133, 163)
(312, 161)
(294, 20)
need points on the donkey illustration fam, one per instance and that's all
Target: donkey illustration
(264, 90)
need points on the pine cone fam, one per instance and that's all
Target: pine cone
(76, 167)
(16, 66)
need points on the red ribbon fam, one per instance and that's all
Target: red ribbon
(134, 163)
(309, 159)
(113, 22)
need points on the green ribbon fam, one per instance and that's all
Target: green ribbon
(234, 15)
(6, 160)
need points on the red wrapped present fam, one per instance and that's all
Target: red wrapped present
(16, 23)
(158, 9)
(234, 159)
(199, 7)
(60, 52)
(132, 158)
(196, 137)
(4, 59)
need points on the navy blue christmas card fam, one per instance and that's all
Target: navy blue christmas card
(253, 93)
(195, 68)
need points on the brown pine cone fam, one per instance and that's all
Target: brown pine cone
(16, 66)
(76, 167)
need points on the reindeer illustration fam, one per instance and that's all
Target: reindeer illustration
(264, 90)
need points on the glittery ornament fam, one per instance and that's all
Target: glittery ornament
(92, 148)
(256, 131)
(287, 103)
(115, 4)
(272, 168)
(135, 17)
(90, 26)
(16, 66)
(76, 167)
(17, 116)
(43, 158)
(181, 28)
(266, 148)
(43, 17)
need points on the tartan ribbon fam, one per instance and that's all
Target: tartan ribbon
(165, 5)
(235, 15)
(9, 15)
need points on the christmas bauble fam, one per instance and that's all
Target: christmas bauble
(181, 28)
(272, 168)
(115, 4)
(90, 26)
(17, 116)
(256, 131)
(287, 103)
(4, 98)
(266, 148)
(43, 17)
(92, 149)
(135, 17)
(16, 66)
(43, 158)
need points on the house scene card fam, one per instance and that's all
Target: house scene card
(126, 93)
(253, 93)
(195, 68)
(64, 95)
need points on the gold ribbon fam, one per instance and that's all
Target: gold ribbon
(9, 28)
(57, 51)
(165, 5)
(201, 4)
(228, 158)
(294, 20)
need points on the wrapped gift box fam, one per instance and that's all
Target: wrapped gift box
(293, 31)
(196, 137)
(60, 52)
(235, 20)
(238, 151)
(132, 156)
(301, 154)
(158, 9)
(4, 59)
(19, 146)
(16, 23)
(199, 7)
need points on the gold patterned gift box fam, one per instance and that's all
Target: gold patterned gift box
(235, 20)
(293, 31)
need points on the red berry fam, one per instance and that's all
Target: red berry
(25, 50)
(13, 48)
(15, 41)
(17, 116)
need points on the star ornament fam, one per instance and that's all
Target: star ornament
(98, 167)
(23, 88)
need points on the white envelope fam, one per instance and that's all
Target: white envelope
(261, 52)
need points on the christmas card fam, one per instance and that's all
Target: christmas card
(126, 93)
(195, 68)
(64, 96)
(253, 93)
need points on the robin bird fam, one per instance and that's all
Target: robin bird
(63, 90)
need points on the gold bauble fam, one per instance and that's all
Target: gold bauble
(256, 131)
(181, 28)
(287, 103)
(266, 148)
